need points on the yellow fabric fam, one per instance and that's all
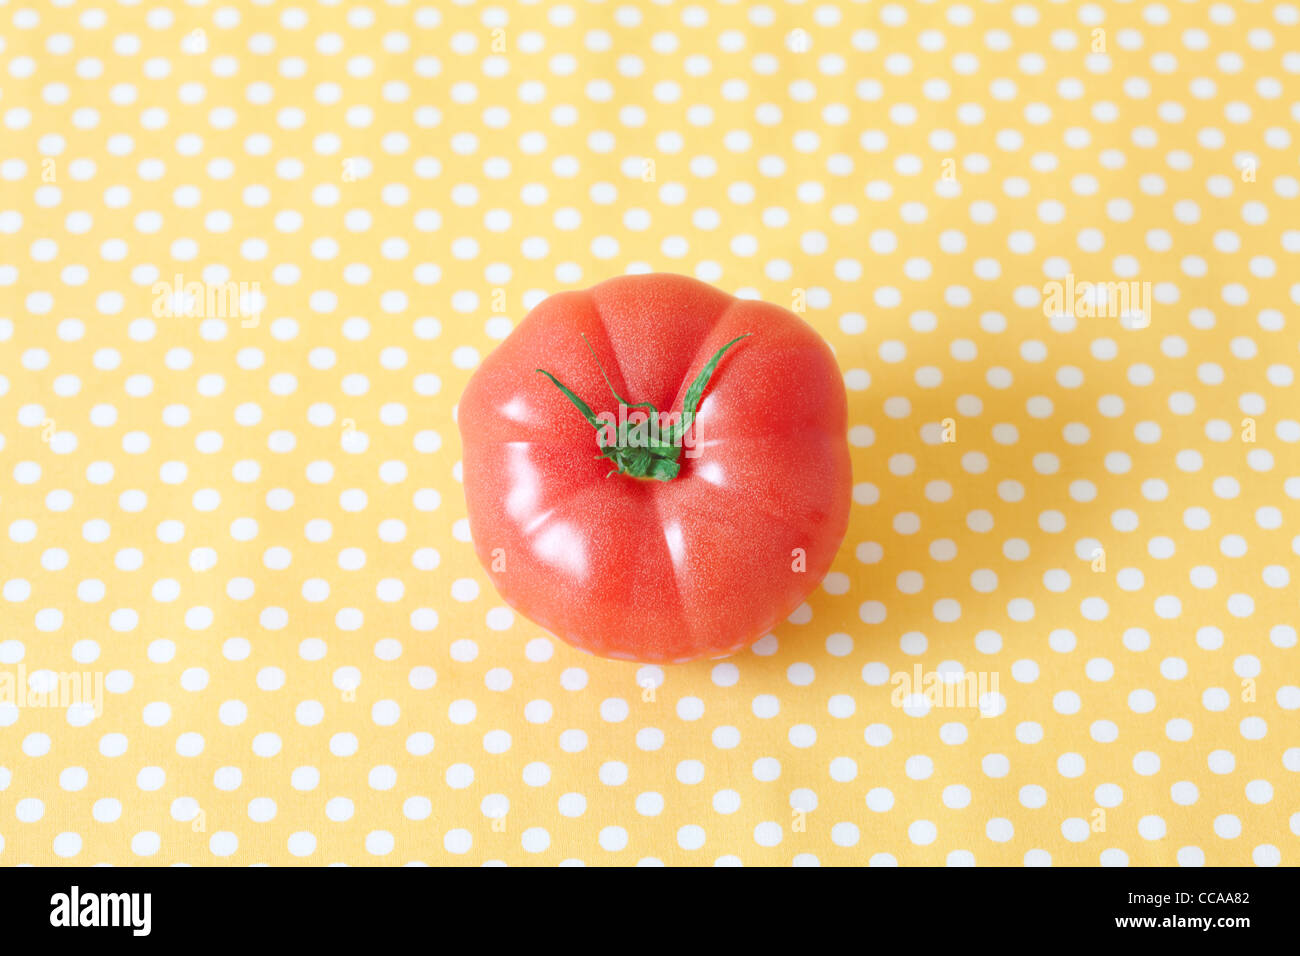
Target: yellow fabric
(250, 527)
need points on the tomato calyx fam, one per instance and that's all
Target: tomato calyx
(648, 448)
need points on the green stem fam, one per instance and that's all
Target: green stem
(640, 455)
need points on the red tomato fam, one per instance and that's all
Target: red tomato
(659, 547)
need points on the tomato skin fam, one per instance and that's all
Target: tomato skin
(644, 570)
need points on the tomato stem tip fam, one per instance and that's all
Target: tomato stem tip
(654, 458)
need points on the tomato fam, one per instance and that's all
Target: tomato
(646, 543)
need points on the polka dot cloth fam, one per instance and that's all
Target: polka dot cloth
(251, 253)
